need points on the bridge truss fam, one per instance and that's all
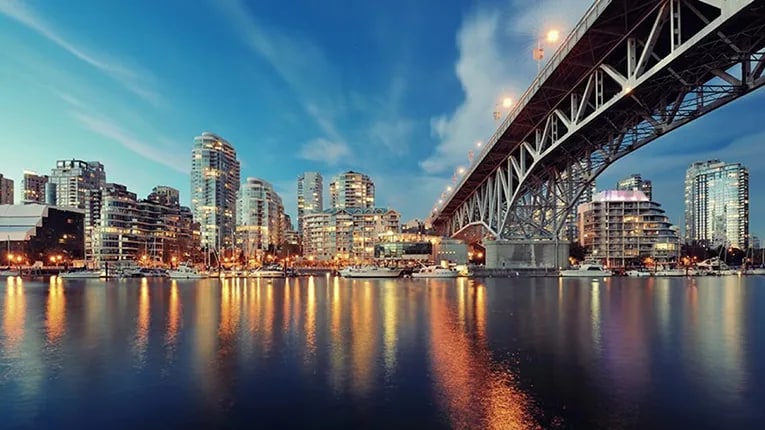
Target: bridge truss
(631, 72)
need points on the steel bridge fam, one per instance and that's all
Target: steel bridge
(630, 72)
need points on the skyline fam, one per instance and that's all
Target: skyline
(401, 103)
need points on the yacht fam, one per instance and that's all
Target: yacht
(753, 271)
(435, 272)
(370, 272)
(268, 272)
(638, 273)
(9, 272)
(184, 271)
(81, 274)
(589, 270)
(666, 272)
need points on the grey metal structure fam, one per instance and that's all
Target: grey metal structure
(630, 72)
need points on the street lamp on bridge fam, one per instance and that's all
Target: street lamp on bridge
(552, 36)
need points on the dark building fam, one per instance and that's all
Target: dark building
(34, 232)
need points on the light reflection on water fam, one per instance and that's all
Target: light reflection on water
(495, 353)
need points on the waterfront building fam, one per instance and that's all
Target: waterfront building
(260, 220)
(623, 228)
(348, 234)
(6, 190)
(37, 232)
(717, 204)
(74, 180)
(310, 196)
(413, 246)
(214, 187)
(155, 230)
(77, 184)
(635, 182)
(34, 187)
(352, 190)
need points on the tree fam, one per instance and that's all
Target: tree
(577, 251)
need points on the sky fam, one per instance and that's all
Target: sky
(400, 90)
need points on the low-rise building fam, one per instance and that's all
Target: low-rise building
(35, 232)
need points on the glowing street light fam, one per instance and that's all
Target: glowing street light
(505, 104)
(552, 36)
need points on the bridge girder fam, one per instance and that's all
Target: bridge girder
(676, 61)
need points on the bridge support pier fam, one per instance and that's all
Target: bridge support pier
(526, 254)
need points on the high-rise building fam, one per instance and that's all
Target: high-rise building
(260, 219)
(622, 228)
(77, 184)
(34, 187)
(635, 182)
(6, 190)
(214, 187)
(310, 190)
(347, 234)
(717, 204)
(352, 190)
(74, 180)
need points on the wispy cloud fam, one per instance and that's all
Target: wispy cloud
(134, 80)
(112, 131)
(325, 151)
(488, 69)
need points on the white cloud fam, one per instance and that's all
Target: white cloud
(494, 62)
(105, 127)
(325, 151)
(131, 78)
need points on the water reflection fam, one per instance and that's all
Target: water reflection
(14, 311)
(495, 353)
(55, 310)
(142, 324)
(475, 391)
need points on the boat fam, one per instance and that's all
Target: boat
(9, 272)
(754, 271)
(370, 272)
(184, 271)
(667, 272)
(435, 272)
(638, 273)
(81, 274)
(715, 266)
(589, 270)
(273, 271)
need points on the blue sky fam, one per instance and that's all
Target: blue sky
(400, 90)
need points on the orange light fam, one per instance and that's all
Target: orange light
(553, 36)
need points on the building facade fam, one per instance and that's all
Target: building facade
(74, 180)
(34, 187)
(717, 204)
(352, 190)
(34, 232)
(623, 228)
(214, 187)
(310, 196)
(260, 220)
(349, 234)
(6, 190)
(149, 230)
(635, 182)
(164, 195)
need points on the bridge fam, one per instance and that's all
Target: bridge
(630, 72)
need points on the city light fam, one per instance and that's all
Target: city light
(507, 102)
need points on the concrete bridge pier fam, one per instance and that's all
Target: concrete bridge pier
(526, 254)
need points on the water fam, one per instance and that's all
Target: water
(330, 353)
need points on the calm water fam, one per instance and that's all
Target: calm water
(329, 353)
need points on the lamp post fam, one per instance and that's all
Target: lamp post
(505, 104)
(551, 37)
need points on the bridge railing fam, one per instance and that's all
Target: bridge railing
(584, 24)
